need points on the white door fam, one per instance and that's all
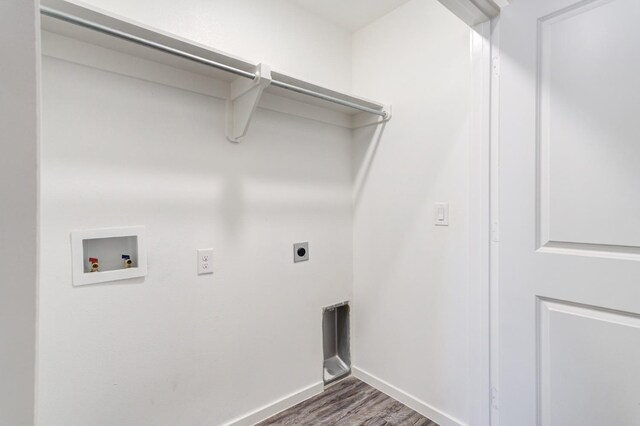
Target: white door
(569, 251)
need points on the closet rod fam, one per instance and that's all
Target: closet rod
(52, 13)
(141, 41)
(328, 98)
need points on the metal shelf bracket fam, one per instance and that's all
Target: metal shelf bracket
(243, 99)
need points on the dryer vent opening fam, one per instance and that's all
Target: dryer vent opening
(335, 336)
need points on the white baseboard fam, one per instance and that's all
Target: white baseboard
(288, 401)
(412, 402)
(273, 408)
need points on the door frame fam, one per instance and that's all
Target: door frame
(482, 232)
(494, 220)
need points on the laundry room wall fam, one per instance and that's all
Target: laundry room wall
(19, 109)
(411, 334)
(120, 150)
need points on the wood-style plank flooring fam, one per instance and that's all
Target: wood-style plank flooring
(349, 402)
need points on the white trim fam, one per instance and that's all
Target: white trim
(36, 379)
(502, 3)
(474, 12)
(495, 219)
(276, 407)
(479, 226)
(440, 417)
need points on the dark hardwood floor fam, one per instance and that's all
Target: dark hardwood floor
(349, 402)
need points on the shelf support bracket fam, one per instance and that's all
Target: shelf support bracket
(365, 119)
(243, 100)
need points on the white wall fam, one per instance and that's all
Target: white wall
(410, 277)
(289, 38)
(18, 209)
(177, 348)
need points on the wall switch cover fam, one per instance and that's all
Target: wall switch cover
(442, 214)
(205, 261)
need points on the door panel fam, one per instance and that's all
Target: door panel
(569, 270)
(588, 127)
(588, 354)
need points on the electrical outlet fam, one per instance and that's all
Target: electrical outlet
(205, 261)
(301, 252)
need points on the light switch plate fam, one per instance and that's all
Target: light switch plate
(205, 261)
(442, 214)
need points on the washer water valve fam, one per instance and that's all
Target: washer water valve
(126, 259)
(95, 266)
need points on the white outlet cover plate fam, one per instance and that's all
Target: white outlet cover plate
(205, 261)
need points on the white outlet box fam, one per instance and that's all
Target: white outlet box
(205, 261)
(108, 245)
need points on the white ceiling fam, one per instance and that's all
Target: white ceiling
(350, 14)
